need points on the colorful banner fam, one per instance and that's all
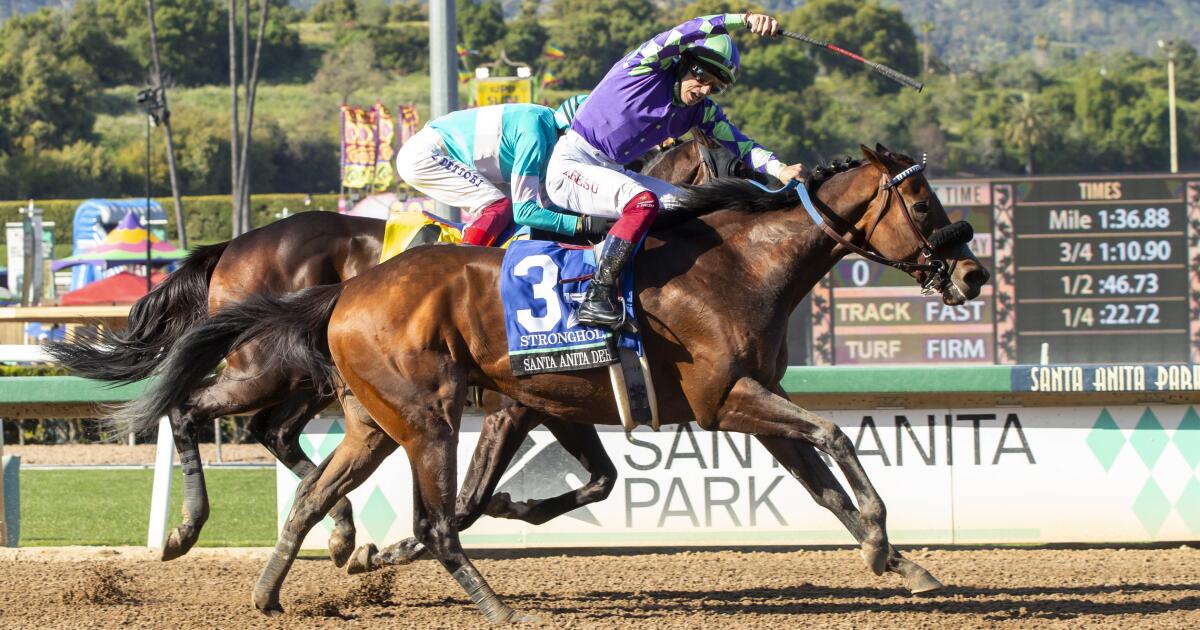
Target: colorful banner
(385, 136)
(548, 78)
(358, 147)
(410, 122)
(550, 51)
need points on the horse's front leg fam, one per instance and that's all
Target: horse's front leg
(752, 408)
(806, 466)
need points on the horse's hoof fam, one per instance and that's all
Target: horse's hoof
(176, 545)
(521, 617)
(923, 583)
(360, 562)
(504, 614)
(876, 557)
(268, 606)
(340, 547)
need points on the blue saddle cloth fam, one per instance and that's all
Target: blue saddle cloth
(542, 284)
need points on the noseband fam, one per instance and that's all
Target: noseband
(935, 268)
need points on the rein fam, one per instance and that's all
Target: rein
(936, 269)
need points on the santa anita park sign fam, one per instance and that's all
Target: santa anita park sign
(998, 474)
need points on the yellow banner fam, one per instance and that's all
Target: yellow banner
(503, 90)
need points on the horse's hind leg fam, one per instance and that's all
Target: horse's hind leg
(806, 466)
(226, 395)
(583, 443)
(502, 434)
(278, 428)
(432, 455)
(195, 496)
(355, 458)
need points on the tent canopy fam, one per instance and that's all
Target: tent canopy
(123, 288)
(125, 245)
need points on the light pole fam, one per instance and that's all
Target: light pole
(1169, 46)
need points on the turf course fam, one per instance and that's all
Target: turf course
(112, 507)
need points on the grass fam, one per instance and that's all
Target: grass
(112, 507)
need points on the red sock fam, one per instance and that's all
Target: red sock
(636, 217)
(492, 221)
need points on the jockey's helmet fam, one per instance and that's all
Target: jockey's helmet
(716, 54)
(565, 113)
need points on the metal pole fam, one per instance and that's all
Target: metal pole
(3, 507)
(217, 438)
(1171, 109)
(443, 74)
(146, 223)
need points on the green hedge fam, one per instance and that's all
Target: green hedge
(208, 219)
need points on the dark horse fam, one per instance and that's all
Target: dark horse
(302, 251)
(408, 337)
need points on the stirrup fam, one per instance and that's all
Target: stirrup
(618, 325)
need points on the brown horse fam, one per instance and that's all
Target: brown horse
(408, 347)
(302, 251)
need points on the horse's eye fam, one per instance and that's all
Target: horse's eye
(921, 207)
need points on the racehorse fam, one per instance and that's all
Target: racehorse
(298, 252)
(409, 336)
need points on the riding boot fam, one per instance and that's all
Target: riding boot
(600, 307)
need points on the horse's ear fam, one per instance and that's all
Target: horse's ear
(874, 158)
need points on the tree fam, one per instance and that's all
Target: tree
(346, 69)
(867, 28)
(526, 37)
(47, 98)
(595, 34)
(408, 11)
(189, 35)
(165, 116)
(1027, 128)
(336, 11)
(403, 49)
(778, 67)
(480, 24)
(95, 36)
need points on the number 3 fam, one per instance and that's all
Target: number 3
(543, 290)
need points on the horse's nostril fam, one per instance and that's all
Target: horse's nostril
(977, 277)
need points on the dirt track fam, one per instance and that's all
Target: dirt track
(986, 588)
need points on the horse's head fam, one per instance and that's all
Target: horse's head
(907, 223)
(697, 161)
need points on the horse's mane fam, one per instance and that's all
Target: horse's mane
(740, 195)
(743, 196)
(823, 173)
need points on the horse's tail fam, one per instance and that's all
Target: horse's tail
(155, 322)
(293, 327)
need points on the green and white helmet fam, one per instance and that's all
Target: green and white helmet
(565, 113)
(717, 54)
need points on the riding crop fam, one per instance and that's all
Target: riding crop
(898, 77)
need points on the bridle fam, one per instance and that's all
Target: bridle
(935, 268)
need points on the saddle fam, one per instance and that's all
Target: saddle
(406, 230)
(542, 284)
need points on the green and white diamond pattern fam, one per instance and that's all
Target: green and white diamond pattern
(1168, 460)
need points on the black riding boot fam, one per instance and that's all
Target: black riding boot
(600, 307)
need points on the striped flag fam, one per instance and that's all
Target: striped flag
(548, 78)
(551, 51)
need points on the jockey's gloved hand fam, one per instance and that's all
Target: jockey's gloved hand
(593, 228)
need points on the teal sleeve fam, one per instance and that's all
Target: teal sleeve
(529, 164)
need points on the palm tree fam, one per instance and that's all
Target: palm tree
(1027, 128)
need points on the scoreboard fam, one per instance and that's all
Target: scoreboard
(1086, 269)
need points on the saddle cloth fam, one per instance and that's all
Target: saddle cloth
(542, 284)
(406, 230)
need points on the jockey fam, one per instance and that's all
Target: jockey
(466, 158)
(658, 91)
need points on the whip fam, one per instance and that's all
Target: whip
(898, 77)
